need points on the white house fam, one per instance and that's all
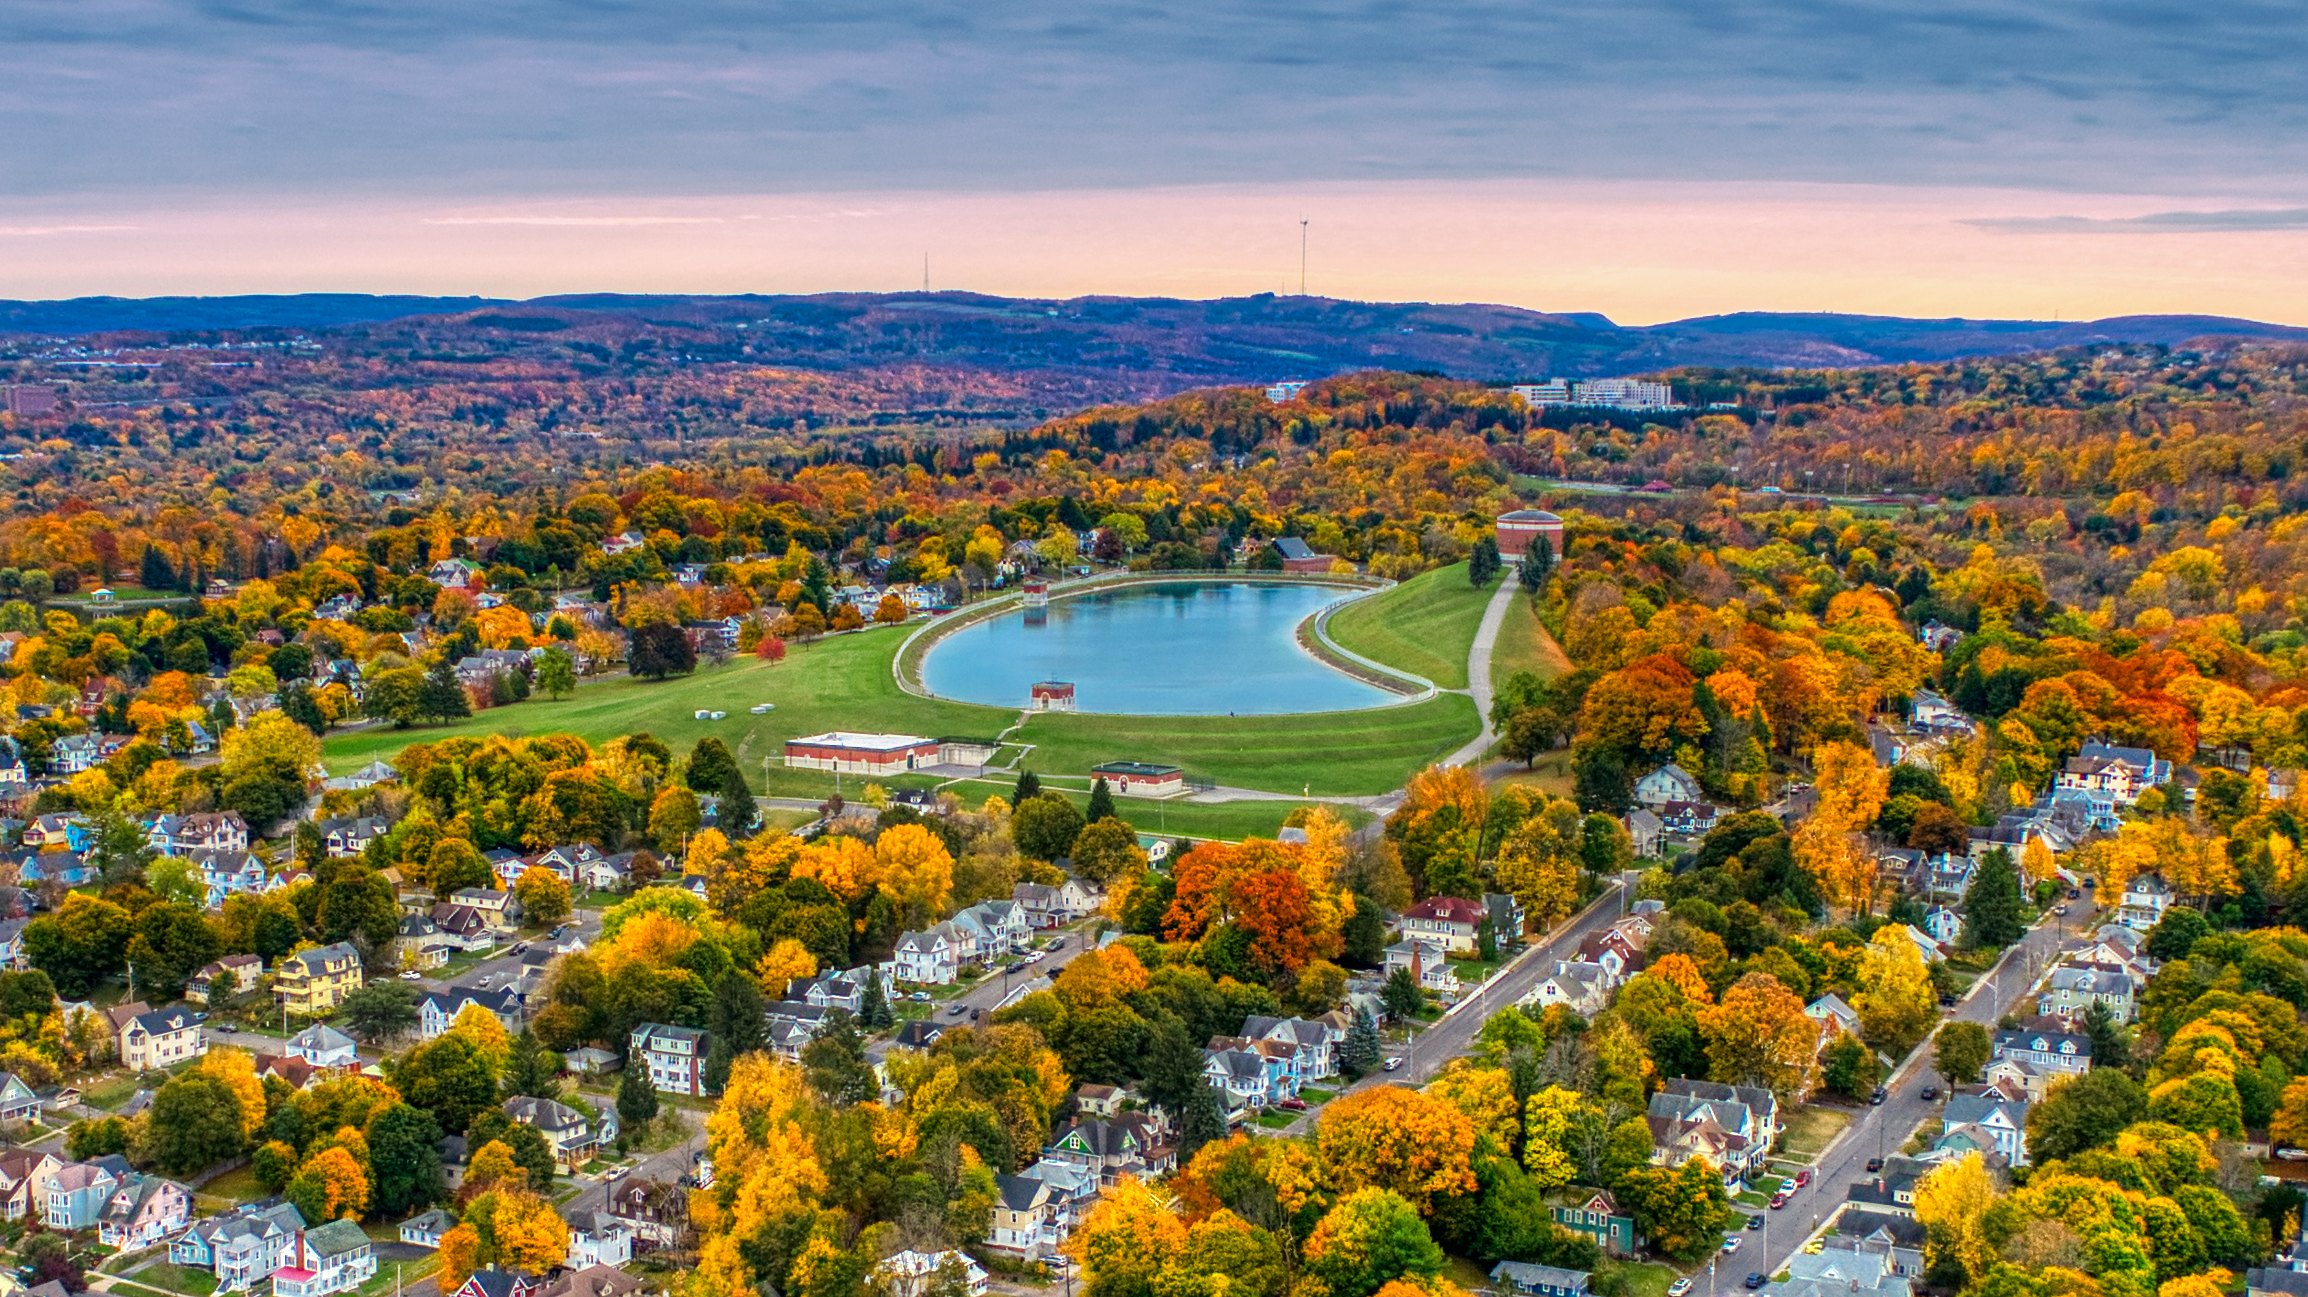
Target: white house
(1428, 962)
(2145, 900)
(322, 1046)
(598, 1238)
(932, 958)
(1833, 1016)
(914, 1274)
(245, 1245)
(1583, 988)
(1669, 783)
(332, 1258)
(1990, 1117)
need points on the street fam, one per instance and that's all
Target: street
(1881, 1131)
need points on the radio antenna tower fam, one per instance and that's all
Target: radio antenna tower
(1302, 256)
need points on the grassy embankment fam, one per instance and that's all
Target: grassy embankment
(844, 682)
(1525, 645)
(1425, 626)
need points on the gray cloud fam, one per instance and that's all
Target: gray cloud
(734, 95)
(2239, 219)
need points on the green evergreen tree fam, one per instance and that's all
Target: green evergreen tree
(636, 1097)
(1361, 1052)
(1402, 996)
(1029, 785)
(835, 1062)
(1101, 802)
(1538, 562)
(1204, 1121)
(441, 697)
(874, 1006)
(155, 573)
(1483, 562)
(1486, 942)
(1364, 934)
(1993, 909)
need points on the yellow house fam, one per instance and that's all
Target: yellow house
(314, 982)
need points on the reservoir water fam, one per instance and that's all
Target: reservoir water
(1187, 648)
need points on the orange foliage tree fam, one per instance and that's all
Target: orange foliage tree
(1412, 1143)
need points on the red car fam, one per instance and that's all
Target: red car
(1803, 1177)
(1295, 1105)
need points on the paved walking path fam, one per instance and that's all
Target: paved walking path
(1479, 670)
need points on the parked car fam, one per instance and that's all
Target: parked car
(1754, 1222)
(1874, 1164)
(411, 975)
(1879, 1096)
(1756, 1280)
(1930, 1092)
(920, 997)
(1781, 1198)
(2292, 1154)
(1294, 1104)
(1731, 1244)
(957, 1010)
(1393, 1063)
(2075, 895)
(1803, 1177)
(1679, 1288)
(486, 978)
(1057, 943)
(2060, 910)
(616, 1173)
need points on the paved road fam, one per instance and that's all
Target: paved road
(1479, 668)
(1881, 1131)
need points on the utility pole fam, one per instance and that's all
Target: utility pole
(925, 272)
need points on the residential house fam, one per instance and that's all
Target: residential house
(2145, 900)
(2073, 990)
(1943, 924)
(19, 1102)
(24, 1176)
(2123, 773)
(182, 835)
(245, 970)
(419, 943)
(1833, 1016)
(1583, 988)
(574, 1139)
(607, 874)
(1598, 1217)
(78, 1191)
(597, 1238)
(1840, 1272)
(55, 832)
(426, 1228)
(314, 982)
(1683, 1111)
(1100, 1100)
(1929, 710)
(228, 873)
(1669, 783)
(161, 1038)
(916, 1274)
(73, 754)
(2033, 1059)
(999, 928)
(462, 927)
(1616, 948)
(1451, 922)
(1245, 1078)
(332, 1258)
(1024, 1217)
(1539, 1280)
(438, 1011)
(1049, 906)
(489, 902)
(352, 834)
(322, 1045)
(1690, 819)
(1890, 1191)
(1994, 1115)
(1127, 1145)
(12, 956)
(1647, 832)
(1429, 965)
(675, 1057)
(1316, 1042)
(593, 1281)
(1507, 921)
(143, 1210)
(1925, 944)
(931, 958)
(245, 1245)
(654, 1218)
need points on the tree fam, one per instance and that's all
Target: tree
(394, 694)
(330, 1186)
(1992, 909)
(1400, 1140)
(450, 1078)
(402, 1153)
(1044, 826)
(1896, 1001)
(2083, 1112)
(97, 1137)
(543, 896)
(1362, 1051)
(1101, 802)
(274, 1164)
(82, 943)
(1203, 1122)
(48, 1258)
(2177, 933)
(1951, 1203)
(1536, 563)
(1683, 1210)
(673, 816)
(1372, 1237)
(442, 696)
(1850, 1067)
(1126, 1240)
(557, 673)
(380, 1009)
(1758, 1035)
(1029, 786)
(874, 1004)
(1961, 1052)
(660, 649)
(734, 1024)
(532, 1069)
(1107, 850)
(1277, 913)
(835, 1062)
(636, 1097)
(1482, 562)
(1401, 995)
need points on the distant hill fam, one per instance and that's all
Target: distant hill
(1157, 343)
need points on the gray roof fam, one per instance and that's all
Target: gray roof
(336, 1238)
(1965, 1109)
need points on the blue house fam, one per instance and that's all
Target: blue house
(1539, 1280)
(78, 1191)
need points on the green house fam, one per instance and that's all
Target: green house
(1600, 1218)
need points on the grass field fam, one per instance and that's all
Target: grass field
(1168, 817)
(844, 682)
(1524, 645)
(1331, 753)
(1811, 1130)
(1426, 625)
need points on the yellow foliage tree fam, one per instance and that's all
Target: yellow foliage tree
(1484, 1094)
(1681, 972)
(1388, 1138)
(237, 1070)
(1128, 1238)
(1759, 1035)
(766, 1170)
(708, 853)
(1952, 1203)
(494, 1164)
(845, 865)
(1851, 789)
(914, 869)
(1895, 1001)
(460, 1256)
(486, 1034)
(784, 963)
(1539, 864)
(524, 1232)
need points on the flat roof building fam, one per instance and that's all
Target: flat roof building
(1518, 530)
(847, 753)
(1140, 779)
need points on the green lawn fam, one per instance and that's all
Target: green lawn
(1524, 645)
(1169, 817)
(1643, 1279)
(844, 682)
(1332, 753)
(1425, 626)
(1810, 1130)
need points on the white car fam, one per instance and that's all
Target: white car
(1679, 1287)
(1731, 1244)
(412, 975)
(1393, 1063)
(760, 709)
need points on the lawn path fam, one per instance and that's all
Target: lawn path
(1479, 673)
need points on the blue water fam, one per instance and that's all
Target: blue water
(1189, 648)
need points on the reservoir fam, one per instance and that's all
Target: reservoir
(1186, 648)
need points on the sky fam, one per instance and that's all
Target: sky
(1644, 158)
